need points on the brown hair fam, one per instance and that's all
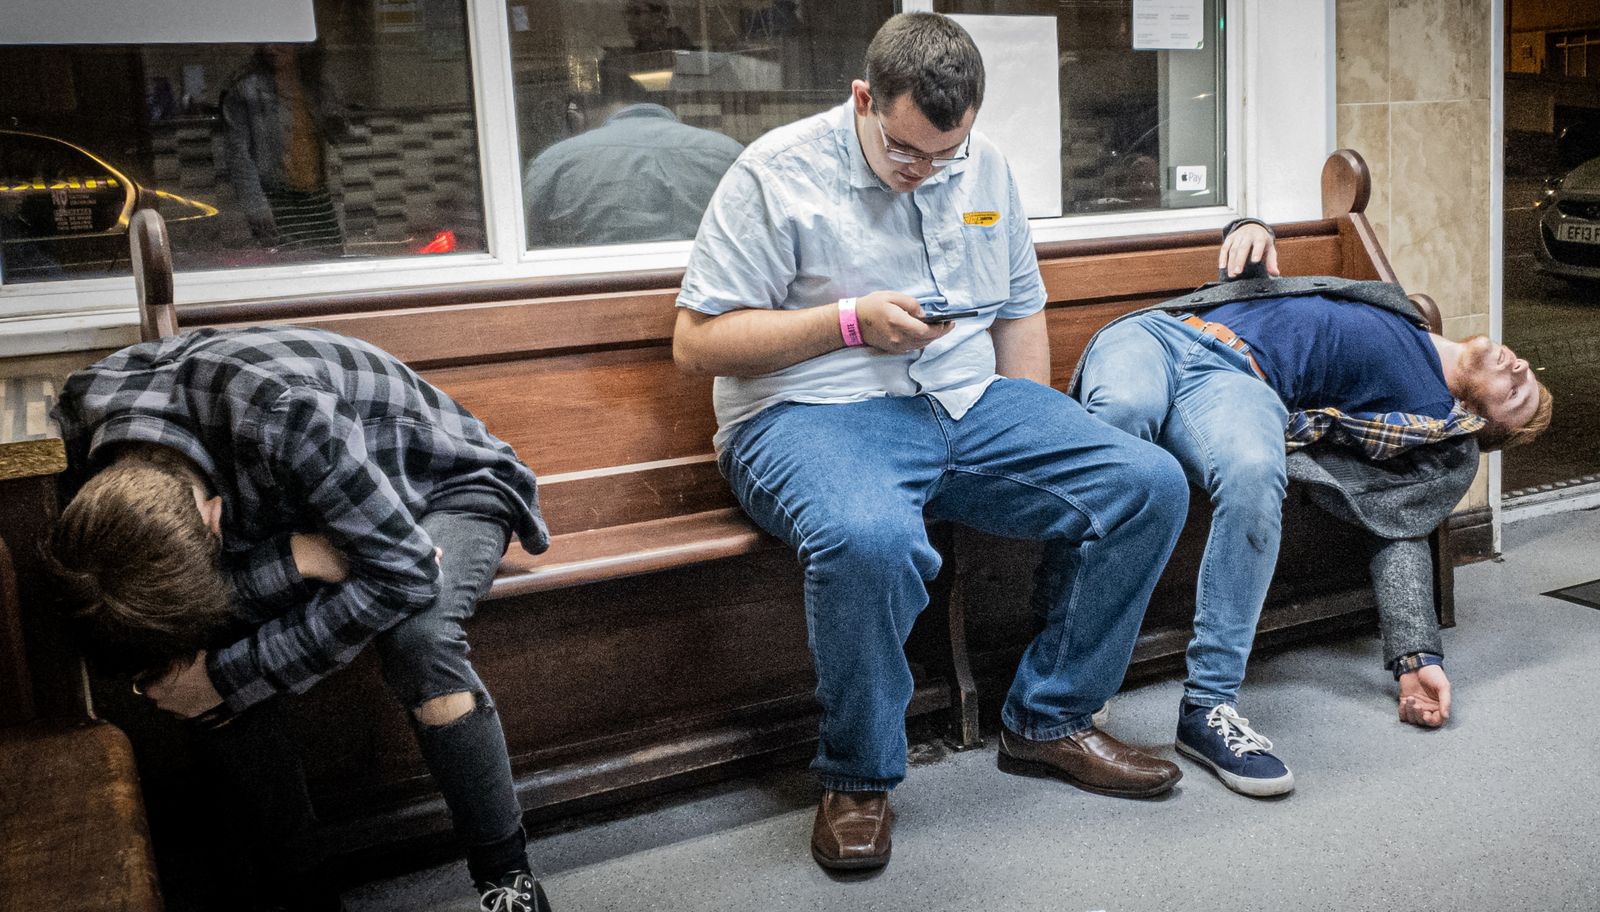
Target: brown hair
(930, 57)
(141, 571)
(1496, 436)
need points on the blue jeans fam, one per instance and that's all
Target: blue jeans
(1167, 382)
(850, 487)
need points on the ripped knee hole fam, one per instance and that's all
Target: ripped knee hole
(443, 710)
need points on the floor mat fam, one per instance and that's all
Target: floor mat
(1586, 594)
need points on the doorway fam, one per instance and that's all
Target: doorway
(1551, 292)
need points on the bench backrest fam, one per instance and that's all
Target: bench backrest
(577, 374)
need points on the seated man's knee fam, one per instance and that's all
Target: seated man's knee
(445, 709)
(1160, 476)
(866, 543)
(1253, 476)
(1248, 497)
(419, 637)
(1127, 407)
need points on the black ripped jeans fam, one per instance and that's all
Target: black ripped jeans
(423, 657)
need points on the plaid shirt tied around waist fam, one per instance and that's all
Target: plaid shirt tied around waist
(1379, 435)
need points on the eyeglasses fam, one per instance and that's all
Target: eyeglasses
(907, 157)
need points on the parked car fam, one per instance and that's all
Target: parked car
(64, 210)
(1569, 224)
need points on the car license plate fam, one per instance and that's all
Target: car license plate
(1578, 234)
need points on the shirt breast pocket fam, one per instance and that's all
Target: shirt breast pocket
(988, 263)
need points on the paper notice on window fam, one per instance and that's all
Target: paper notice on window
(1021, 111)
(1169, 25)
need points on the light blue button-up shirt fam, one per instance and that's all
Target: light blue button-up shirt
(800, 220)
(643, 176)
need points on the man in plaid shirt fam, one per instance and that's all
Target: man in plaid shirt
(1229, 377)
(258, 506)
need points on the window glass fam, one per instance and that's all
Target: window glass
(1140, 129)
(362, 144)
(629, 111)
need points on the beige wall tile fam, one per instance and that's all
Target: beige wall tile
(1361, 37)
(1365, 128)
(1478, 18)
(1438, 50)
(1478, 495)
(1439, 210)
(1469, 325)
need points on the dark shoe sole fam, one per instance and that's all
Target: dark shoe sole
(1036, 770)
(864, 863)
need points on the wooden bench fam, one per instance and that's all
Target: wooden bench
(662, 640)
(72, 823)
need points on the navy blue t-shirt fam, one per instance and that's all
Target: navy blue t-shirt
(1320, 352)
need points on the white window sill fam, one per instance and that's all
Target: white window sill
(98, 323)
(52, 334)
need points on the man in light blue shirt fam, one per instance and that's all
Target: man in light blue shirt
(855, 402)
(641, 176)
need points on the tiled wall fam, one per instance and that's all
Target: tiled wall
(392, 174)
(1413, 99)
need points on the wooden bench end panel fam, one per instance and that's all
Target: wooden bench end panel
(69, 794)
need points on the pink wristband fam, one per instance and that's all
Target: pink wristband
(848, 327)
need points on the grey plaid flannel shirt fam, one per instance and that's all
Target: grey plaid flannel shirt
(301, 430)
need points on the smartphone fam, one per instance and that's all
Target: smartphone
(948, 315)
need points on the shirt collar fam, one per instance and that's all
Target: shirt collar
(642, 109)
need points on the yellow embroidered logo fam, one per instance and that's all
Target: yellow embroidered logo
(980, 218)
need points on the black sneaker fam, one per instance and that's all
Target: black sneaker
(515, 892)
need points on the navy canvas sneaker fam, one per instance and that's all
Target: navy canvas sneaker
(1220, 739)
(515, 892)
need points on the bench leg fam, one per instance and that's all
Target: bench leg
(963, 733)
(1444, 576)
(951, 645)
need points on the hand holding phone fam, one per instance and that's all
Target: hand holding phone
(897, 323)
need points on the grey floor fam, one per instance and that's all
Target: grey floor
(1495, 812)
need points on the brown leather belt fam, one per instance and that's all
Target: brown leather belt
(1227, 337)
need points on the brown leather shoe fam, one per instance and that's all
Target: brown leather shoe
(852, 830)
(1092, 760)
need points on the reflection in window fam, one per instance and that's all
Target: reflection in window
(1132, 121)
(362, 144)
(629, 111)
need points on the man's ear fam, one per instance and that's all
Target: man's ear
(862, 97)
(211, 512)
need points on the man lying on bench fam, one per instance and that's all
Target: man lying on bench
(1396, 413)
(259, 506)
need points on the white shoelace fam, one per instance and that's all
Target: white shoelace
(518, 897)
(1236, 732)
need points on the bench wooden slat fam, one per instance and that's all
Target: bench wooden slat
(574, 412)
(621, 495)
(596, 555)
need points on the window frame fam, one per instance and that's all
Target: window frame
(1269, 87)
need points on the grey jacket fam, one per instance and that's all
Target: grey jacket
(1400, 501)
